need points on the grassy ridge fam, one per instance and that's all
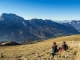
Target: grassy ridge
(41, 49)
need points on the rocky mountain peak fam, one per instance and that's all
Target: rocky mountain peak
(10, 16)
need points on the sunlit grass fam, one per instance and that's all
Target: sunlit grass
(42, 50)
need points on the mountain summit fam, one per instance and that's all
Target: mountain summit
(11, 16)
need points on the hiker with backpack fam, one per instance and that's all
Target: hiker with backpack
(64, 46)
(54, 49)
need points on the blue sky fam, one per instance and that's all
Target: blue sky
(42, 9)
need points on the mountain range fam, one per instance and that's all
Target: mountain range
(16, 28)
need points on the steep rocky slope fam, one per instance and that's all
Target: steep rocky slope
(75, 24)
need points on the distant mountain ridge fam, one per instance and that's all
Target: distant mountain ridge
(75, 24)
(16, 28)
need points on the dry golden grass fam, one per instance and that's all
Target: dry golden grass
(42, 50)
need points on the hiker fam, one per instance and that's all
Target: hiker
(64, 46)
(54, 49)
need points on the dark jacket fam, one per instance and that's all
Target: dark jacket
(64, 46)
(54, 48)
